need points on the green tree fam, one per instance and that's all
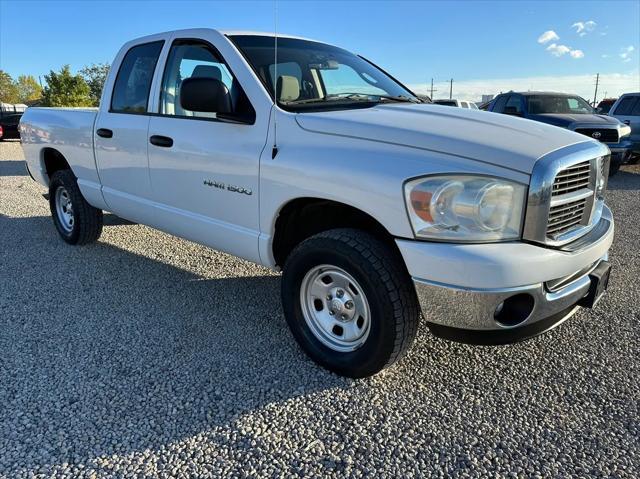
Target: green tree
(95, 75)
(28, 88)
(65, 89)
(8, 89)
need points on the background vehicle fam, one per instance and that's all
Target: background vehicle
(627, 110)
(374, 205)
(458, 103)
(605, 105)
(571, 112)
(9, 121)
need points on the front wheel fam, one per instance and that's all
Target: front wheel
(349, 302)
(76, 220)
(614, 167)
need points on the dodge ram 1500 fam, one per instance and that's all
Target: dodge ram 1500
(378, 208)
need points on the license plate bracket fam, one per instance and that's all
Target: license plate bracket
(599, 283)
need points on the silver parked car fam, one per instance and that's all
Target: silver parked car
(627, 110)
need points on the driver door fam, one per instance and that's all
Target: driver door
(204, 170)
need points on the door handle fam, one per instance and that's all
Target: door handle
(163, 141)
(104, 132)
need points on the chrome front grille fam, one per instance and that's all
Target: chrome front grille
(563, 203)
(565, 217)
(571, 179)
(569, 199)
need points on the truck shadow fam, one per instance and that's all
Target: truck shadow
(133, 352)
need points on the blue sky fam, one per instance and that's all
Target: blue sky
(485, 46)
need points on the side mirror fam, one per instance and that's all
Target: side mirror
(205, 95)
(512, 110)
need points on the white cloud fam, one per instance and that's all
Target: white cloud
(548, 36)
(582, 28)
(605, 56)
(613, 83)
(626, 53)
(558, 50)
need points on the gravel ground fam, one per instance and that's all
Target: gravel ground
(151, 356)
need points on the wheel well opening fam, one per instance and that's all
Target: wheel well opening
(305, 217)
(54, 161)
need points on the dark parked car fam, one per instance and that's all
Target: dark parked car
(605, 105)
(571, 112)
(627, 110)
(9, 125)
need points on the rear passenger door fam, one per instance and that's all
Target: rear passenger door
(121, 132)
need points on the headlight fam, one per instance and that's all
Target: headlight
(465, 207)
(625, 130)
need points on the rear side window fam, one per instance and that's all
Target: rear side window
(498, 106)
(626, 105)
(133, 83)
(514, 102)
(636, 108)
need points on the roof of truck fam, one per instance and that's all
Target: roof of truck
(261, 34)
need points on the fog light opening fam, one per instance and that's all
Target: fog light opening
(514, 310)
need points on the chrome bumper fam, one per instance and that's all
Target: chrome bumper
(530, 308)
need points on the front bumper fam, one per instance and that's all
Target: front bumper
(621, 152)
(461, 287)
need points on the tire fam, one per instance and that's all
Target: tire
(614, 167)
(81, 223)
(382, 295)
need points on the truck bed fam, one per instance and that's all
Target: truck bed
(69, 131)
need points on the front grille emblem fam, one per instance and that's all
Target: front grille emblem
(596, 135)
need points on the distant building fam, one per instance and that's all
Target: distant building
(486, 98)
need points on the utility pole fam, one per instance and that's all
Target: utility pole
(451, 89)
(432, 89)
(595, 95)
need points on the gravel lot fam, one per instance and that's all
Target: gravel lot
(151, 356)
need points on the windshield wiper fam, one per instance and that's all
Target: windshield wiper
(361, 97)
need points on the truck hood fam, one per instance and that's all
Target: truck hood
(493, 138)
(565, 119)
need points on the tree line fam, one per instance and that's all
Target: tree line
(62, 87)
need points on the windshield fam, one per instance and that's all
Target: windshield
(540, 104)
(314, 75)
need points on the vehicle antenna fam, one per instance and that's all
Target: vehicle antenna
(274, 150)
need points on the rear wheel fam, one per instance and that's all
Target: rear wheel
(76, 220)
(349, 302)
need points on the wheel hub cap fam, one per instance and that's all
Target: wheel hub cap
(335, 308)
(64, 209)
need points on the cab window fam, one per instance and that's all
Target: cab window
(133, 83)
(197, 59)
(513, 105)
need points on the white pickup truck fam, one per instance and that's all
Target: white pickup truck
(376, 206)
